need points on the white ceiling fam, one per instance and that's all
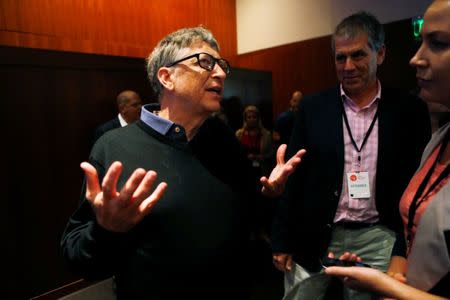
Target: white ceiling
(268, 23)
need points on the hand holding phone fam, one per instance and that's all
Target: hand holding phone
(333, 262)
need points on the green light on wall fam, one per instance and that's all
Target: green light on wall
(417, 23)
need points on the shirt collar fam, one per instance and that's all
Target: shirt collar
(352, 104)
(149, 115)
(122, 121)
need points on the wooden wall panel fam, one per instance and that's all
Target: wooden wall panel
(307, 66)
(52, 103)
(120, 27)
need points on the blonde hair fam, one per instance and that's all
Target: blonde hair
(251, 109)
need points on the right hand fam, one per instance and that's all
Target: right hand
(120, 211)
(282, 261)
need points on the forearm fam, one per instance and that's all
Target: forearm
(402, 291)
(281, 227)
(90, 250)
(378, 283)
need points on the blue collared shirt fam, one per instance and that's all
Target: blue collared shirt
(163, 126)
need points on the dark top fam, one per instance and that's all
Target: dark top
(284, 125)
(304, 221)
(111, 124)
(193, 238)
(428, 262)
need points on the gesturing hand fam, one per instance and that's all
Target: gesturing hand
(121, 211)
(274, 185)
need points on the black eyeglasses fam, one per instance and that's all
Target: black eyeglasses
(207, 62)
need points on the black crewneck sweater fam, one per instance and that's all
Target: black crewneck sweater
(193, 237)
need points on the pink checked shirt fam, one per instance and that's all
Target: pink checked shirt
(359, 120)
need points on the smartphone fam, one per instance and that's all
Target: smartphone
(331, 262)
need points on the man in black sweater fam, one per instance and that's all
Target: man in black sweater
(182, 239)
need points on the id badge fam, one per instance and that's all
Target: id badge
(358, 184)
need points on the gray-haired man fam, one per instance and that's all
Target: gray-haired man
(182, 239)
(364, 142)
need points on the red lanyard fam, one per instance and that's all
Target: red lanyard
(421, 194)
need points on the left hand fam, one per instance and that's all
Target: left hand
(274, 185)
(347, 256)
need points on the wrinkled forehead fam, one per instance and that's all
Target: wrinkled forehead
(196, 47)
(347, 45)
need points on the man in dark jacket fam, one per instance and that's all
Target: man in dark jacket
(364, 142)
(129, 106)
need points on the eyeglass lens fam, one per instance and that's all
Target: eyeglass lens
(207, 61)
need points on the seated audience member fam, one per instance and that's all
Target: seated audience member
(420, 265)
(182, 238)
(285, 121)
(129, 106)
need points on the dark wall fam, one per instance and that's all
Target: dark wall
(53, 102)
(119, 28)
(401, 46)
(248, 87)
(306, 66)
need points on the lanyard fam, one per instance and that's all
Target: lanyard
(420, 194)
(366, 136)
